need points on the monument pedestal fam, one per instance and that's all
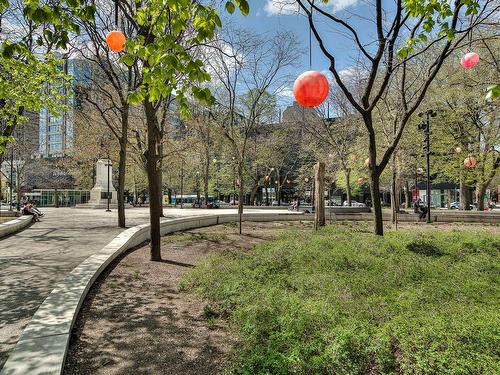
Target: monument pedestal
(99, 193)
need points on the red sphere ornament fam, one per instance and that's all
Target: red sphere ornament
(469, 60)
(310, 88)
(470, 162)
(116, 40)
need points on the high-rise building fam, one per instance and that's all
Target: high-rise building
(56, 132)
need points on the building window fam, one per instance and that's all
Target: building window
(55, 146)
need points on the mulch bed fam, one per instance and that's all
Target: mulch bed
(135, 320)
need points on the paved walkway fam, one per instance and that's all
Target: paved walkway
(34, 260)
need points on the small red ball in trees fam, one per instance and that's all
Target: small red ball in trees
(310, 88)
(470, 162)
(469, 60)
(116, 40)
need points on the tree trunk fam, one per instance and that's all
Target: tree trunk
(394, 192)
(348, 186)
(240, 195)
(253, 193)
(160, 177)
(319, 195)
(465, 197)
(378, 225)
(481, 191)
(152, 168)
(407, 194)
(206, 176)
(122, 163)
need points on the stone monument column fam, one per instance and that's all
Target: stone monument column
(98, 194)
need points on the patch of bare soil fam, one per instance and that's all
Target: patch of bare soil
(135, 320)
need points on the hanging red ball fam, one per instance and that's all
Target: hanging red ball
(469, 60)
(116, 40)
(470, 162)
(310, 88)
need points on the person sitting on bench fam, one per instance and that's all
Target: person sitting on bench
(420, 208)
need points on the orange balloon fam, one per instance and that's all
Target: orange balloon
(116, 40)
(310, 88)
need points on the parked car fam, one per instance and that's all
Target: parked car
(472, 207)
(197, 203)
(354, 203)
(331, 203)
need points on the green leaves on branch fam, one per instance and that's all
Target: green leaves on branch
(56, 21)
(166, 48)
(435, 16)
(29, 85)
(242, 5)
(493, 92)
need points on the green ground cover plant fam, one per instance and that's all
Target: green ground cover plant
(344, 301)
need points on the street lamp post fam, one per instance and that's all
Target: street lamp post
(198, 198)
(425, 127)
(108, 164)
(234, 180)
(182, 183)
(11, 178)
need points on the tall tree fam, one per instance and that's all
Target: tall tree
(406, 32)
(110, 83)
(250, 69)
(163, 49)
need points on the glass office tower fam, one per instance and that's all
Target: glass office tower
(56, 132)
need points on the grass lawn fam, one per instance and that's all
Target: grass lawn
(343, 301)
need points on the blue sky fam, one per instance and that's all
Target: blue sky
(274, 15)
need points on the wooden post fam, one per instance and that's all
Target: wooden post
(319, 195)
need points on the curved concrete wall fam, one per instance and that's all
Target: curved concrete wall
(15, 225)
(42, 347)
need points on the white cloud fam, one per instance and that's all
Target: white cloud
(349, 73)
(285, 92)
(339, 5)
(291, 7)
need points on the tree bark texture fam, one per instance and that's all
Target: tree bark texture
(153, 172)
(319, 195)
(122, 162)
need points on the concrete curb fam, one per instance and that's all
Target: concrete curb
(15, 225)
(42, 347)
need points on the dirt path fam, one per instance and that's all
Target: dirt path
(136, 320)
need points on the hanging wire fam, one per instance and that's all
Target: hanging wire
(310, 42)
(116, 13)
(470, 32)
